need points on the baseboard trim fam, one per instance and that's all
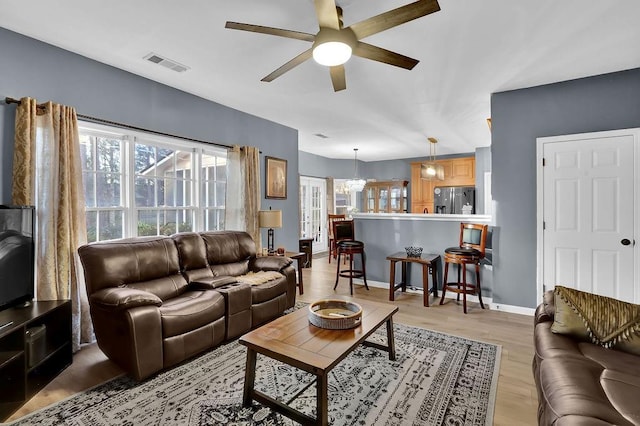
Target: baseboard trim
(487, 300)
(513, 309)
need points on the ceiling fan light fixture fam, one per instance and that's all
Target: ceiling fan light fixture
(333, 47)
(332, 53)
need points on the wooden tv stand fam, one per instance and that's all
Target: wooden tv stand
(19, 381)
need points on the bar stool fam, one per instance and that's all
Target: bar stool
(471, 250)
(332, 241)
(350, 248)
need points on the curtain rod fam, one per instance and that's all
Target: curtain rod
(9, 100)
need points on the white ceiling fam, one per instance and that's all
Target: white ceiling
(467, 50)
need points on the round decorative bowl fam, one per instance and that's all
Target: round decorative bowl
(335, 314)
(413, 251)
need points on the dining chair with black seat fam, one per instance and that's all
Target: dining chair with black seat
(470, 251)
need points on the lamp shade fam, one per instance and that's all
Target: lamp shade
(270, 218)
(432, 171)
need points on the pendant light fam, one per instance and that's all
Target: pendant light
(356, 184)
(431, 170)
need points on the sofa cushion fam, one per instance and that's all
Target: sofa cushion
(267, 291)
(230, 269)
(193, 256)
(147, 263)
(611, 360)
(165, 287)
(260, 277)
(190, 310)
(573, 386)
(228, 247)
(622, 389)
(602, 320)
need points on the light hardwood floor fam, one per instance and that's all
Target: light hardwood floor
(516, 402)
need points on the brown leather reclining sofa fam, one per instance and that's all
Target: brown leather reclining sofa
(156, 301)
(579, 382)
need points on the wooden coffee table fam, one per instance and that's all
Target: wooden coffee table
(293, 340)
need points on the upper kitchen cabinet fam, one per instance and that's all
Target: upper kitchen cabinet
(457, 172)
(385, 197)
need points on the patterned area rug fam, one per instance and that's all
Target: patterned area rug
(437, 379)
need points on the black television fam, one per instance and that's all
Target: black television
(17, 254)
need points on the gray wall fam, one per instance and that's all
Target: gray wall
(322, 167)
(35, 69)
(605, 102)
(483, 164)
(383, 237)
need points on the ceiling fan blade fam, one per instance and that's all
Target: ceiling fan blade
(338, 78)
(394, 17)
(289, 65)
(385, 56)
(327, 14)
(270, 30)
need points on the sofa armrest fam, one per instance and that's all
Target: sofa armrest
(132, 338)
(211, 283)
(269, 263)
(121, 298)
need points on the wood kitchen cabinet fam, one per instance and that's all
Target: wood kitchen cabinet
(385, 197)
(461, 172)
(457, 172)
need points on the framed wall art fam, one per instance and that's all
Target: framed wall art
(276, 178)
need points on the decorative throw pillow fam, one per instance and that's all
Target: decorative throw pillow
(601, 320)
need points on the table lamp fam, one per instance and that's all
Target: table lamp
(270, 219)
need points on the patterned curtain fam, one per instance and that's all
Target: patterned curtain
(47, 173)
(243, 191)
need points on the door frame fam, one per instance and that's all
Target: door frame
(540, 142)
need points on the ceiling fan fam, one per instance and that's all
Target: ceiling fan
(334, 43)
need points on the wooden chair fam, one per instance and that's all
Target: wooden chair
(470, 251)
(332, 244)
(343, 231)
(346, 244)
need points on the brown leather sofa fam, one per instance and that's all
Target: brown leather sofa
(156, 301)
(581, 383)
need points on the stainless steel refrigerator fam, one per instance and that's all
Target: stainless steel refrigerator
(451, 199)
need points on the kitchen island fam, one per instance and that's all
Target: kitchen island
(387, 233)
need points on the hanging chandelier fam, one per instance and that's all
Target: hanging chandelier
(356, 184)
(431, 170)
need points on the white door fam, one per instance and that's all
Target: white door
(588, 206)
(313, 217)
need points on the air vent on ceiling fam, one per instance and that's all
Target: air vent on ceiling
(321, 136)
(167, 63)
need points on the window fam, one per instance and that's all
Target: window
(136, 184)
